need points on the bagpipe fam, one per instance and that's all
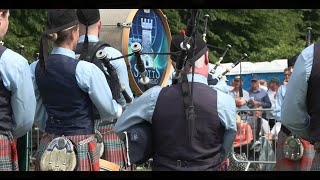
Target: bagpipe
(211, 80)
(218, 63)
(308, 37)
(139, 59)
(217, 79)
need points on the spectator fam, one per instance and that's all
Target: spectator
(263, 84)
(287, 75)
(241, 101)
(274, 84)
(258, 96)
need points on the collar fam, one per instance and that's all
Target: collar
(91, 38)
(198, 78)
(259, 89)
(63, 51)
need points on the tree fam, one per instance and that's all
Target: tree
(25, 27)
(264, 34)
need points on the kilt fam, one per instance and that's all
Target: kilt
(8, 153)
(114, 147)
(316, 162)
(283, 164)
(87, 155)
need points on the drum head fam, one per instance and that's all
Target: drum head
(150, 28)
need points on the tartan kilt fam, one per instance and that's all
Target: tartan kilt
(316, 162)
(8, 154)
(114, 147)
(87, 160)
(283, 164)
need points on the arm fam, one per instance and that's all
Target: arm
(140, 110)
(294, 109)
(227, 113)
(240, 102)
(122, 72)
(266, 103)
(16, 77)
(278, 103)
(277, 111)
(92, 80)
(41, 115)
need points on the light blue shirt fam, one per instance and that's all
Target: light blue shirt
(245, 97)
(261, 96)
(16, 77)
(119, 65)
(279, 99)
(143, 107)
(91, 80)
(294, 109)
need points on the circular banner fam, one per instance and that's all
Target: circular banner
(149, 27)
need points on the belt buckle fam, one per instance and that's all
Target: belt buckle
(178, 163)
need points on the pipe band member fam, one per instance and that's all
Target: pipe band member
(66, 89)
(189, 132)
(88, 45)
(17, 99)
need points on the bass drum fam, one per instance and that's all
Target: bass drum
(149, 27)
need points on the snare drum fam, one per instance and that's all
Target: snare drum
(149, 27)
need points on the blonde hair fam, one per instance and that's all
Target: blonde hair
(262, 82)
(61, 36)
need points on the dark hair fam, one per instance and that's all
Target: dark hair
(4, 12)
(286, 69)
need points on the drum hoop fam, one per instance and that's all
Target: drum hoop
(125, 40)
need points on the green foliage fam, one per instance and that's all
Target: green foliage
(25, 27)
(264, 34)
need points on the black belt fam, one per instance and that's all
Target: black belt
(316, 146)
(285, 130)
(104, 123)
(180, 163)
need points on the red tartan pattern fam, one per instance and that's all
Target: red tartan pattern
(316, 162)
(283, 164)
(114, 148)
(8, 154)
(87, 155)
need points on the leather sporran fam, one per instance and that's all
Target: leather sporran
(59, 156)
(293, 148)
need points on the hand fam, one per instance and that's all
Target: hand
(270, 136)
(254, 104)
(240, 102)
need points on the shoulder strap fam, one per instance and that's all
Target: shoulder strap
(93, 50)
(112, 77)
(2, 49)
